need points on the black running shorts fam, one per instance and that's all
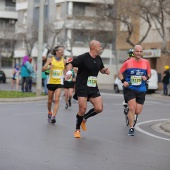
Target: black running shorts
(82, 93)
(53, 87)
(69, 85)
(133, 94)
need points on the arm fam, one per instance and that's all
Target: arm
(105, 71)
(48, 63)
(13, 71)
(69, 67)
(124, 82)
(29, 67)
(148, 75)
(120, 75)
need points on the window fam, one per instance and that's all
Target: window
(90, 11)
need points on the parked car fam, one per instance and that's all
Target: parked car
(152, 83)
(2, 76)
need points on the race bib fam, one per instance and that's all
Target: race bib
(92, 81)
(57, 73)
(136, 80)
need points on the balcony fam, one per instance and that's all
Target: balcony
(22, 5)
(83, 23)
(8, 12)
(86, 1)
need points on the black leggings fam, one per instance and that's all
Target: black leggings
(25, 82)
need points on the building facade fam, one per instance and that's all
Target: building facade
(8, 18)
(73, 23)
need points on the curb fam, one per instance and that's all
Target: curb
(25, 99)
(165, 126)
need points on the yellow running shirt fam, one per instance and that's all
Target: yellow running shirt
(56, 73)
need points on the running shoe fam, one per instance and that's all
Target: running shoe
(131, 132)
(83, 125)
(53, 120)
(66, 107)
(77, 134)
(125, 104)
(126, 110)
(69, 102)
(49, 117)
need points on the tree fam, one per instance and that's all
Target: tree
(127, 17)
(160, 15)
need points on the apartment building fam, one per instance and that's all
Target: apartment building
(26, 29)
(80, 22)
(8, 18)
(73, 24)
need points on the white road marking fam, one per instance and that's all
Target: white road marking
(147, 133)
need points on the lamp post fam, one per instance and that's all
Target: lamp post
(40, 48)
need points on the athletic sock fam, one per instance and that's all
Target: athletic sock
(50, 113)
(78, 121)
(90, 113)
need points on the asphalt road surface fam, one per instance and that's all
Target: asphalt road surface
(29, 142)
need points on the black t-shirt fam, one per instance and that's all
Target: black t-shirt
(87, 66)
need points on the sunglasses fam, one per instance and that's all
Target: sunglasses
(60, 51)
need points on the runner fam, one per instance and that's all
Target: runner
(69, 86)
(56, 65)
(137, 72)
(89, 64)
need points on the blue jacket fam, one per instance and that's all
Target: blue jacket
(26, 69)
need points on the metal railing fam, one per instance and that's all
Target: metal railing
(7, 8)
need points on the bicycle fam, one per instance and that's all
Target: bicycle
(126, 110)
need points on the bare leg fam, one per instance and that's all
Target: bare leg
(56, 102)
(50, 100)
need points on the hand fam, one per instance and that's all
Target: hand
(68, 75)
(144, 78)
(50, 67)
(126, 84)
(107, 71)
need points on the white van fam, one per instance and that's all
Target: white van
(152, 83)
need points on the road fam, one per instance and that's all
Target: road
(29, 142)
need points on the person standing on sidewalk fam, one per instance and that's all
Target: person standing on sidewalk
(44, 76)
(165, 80)
(89, 64)
(26, 71)
(56, 65)
(137, 71)
(15, 77)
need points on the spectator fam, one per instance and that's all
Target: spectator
(165, 80)
(26, 70)
(44, 76)
(15, 77)
(30, 77)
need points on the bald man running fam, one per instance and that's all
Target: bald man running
(89, 64)
(137, 72)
